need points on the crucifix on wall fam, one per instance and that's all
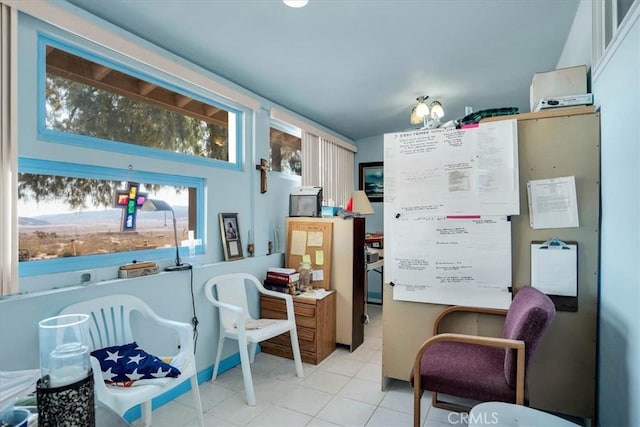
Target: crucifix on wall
(263, 167)
(130, 200)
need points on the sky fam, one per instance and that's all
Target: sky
(33, 209)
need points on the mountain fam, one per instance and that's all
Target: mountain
(104, 216)
(26, 221)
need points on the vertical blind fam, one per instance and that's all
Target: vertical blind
(328, 165)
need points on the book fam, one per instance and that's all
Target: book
(278, 287)
(281, 270)
(283, 278)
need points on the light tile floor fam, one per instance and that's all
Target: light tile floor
(343, 390)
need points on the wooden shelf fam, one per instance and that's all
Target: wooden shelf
(315, 323)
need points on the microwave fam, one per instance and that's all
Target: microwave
(306, 201)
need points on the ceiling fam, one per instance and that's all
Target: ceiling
(357, 66)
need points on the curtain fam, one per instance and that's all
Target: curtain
(8, 152)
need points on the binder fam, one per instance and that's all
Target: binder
(554, 271)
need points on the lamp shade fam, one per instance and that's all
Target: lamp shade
(361, 203)
(152, 205)
(422, 109)
(437, 112)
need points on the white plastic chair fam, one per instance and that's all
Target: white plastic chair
(109, 325)
(234, 315)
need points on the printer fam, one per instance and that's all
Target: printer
(306, 201)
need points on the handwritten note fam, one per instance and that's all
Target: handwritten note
(298, 242)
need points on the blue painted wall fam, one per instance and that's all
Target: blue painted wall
(617, 91)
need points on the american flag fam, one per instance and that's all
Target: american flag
(128, 363)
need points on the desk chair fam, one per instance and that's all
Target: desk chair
(483, 368)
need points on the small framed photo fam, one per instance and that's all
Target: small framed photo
(230, 232)
(372, 180)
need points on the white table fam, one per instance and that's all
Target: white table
(501, 414)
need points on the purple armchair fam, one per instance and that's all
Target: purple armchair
(483, 368)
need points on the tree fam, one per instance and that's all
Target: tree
(78, 108)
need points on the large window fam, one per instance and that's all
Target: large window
(88, 101)
(70, 217)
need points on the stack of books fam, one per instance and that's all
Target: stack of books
(281, 279)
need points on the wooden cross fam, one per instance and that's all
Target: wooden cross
(263, 167)
(130, 200)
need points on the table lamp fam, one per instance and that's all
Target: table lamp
(360, 203)
(152, 205)
(65, 389)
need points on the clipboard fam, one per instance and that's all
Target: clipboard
(554, 271)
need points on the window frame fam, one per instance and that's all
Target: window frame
(56, 136)
(85, 262)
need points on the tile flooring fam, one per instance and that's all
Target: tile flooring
(343, 390)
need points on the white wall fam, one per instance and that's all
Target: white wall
(617, 91)
(577, 49)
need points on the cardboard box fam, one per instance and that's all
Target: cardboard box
(561, 82)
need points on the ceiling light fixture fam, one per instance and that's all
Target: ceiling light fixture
(296, 3)
(428, 115)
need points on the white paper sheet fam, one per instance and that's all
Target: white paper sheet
(554, 270)
(451, 171)
(450, 261)
(298, 242)
(553, 203)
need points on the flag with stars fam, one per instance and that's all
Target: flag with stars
(125, 364)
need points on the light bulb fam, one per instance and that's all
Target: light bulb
(295, 3)
(414, 117)
(422, 109)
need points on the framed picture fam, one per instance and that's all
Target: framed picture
(230, 232)
(372, 180)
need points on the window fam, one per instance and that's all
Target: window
(89, 102)
(68, 217)
(285, 147)
(611, 18)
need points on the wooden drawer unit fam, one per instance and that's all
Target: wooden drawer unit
(315, 323)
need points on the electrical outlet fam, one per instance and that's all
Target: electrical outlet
(87, 276)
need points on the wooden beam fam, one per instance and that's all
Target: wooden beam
(181, 100)
(99, 72)
(209, 110)
(145, 87)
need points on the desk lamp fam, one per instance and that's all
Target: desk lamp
(152, 205)
(360, 204)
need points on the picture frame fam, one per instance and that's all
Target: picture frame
(372, 180)
(230, 233)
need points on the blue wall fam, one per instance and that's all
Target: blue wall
(167, 293)
(617, 91)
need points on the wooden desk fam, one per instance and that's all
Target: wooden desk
(315, 323)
